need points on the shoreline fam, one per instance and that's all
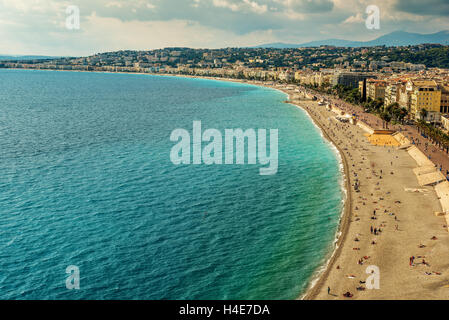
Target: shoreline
(325, 273)
(317, 281)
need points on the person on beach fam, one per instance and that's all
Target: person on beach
(328, 290)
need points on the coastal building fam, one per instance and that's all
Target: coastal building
(375, 89)
(286, 76)
(314, 78)
(405, 97)
(425, 95)
(393, 91)
(361, 86)
(305, 78)
(350, 79)
(323, 78)
(298, 76)
(444, 105)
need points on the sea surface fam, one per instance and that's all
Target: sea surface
(86, 180)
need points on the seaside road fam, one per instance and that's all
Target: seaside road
(439, 156)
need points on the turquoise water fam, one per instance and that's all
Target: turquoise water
(86, 180)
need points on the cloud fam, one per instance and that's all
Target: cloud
(358, 18)
(428, 7)
(241, 5)
(38, 26)
(239, 16)
(256, 7)
(226, 4)
(148, 35)
(311, 6)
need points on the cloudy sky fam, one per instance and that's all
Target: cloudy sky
(39, 26)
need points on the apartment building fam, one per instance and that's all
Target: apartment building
(287, 76)
(426, 95)
(350, 79)
(375, 89)
(444, 105)
(405, 97)
(393, 91)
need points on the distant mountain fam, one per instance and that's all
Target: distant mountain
(397, 38)
(18, 57)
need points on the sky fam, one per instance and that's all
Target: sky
(39, 27)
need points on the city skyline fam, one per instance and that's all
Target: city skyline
(39, 27)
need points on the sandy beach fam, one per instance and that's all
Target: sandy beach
(389, 199)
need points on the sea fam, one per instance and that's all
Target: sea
(88, 191)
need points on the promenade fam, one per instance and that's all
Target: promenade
(433, 152)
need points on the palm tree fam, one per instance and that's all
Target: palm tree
(423, 113)
(386, 117)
